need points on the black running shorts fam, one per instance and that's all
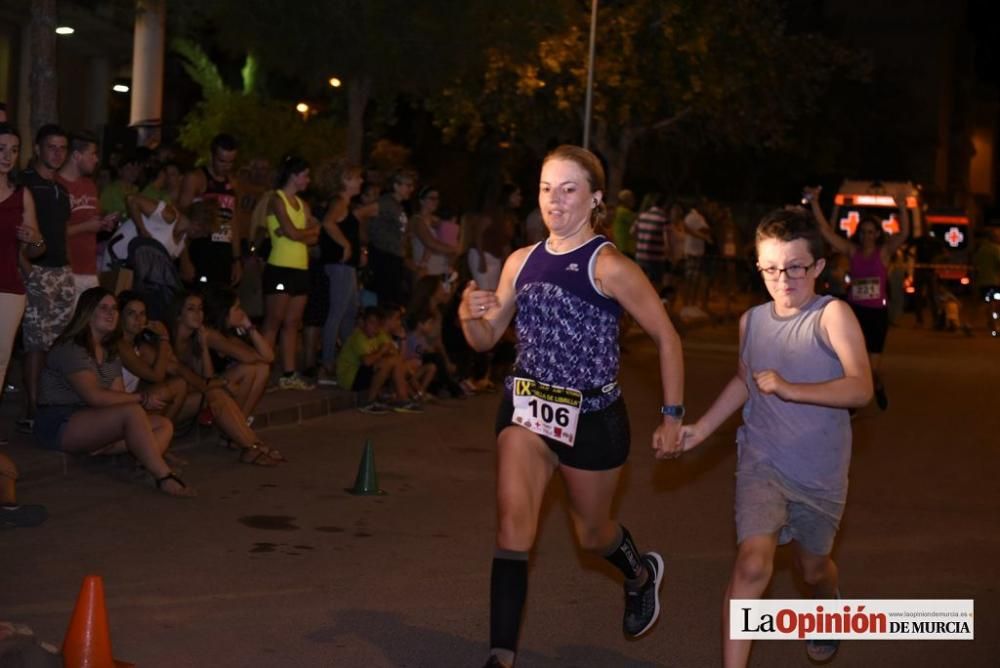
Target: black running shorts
(285, 281)
(602, 437)
(874, 325)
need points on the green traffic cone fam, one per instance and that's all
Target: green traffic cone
(366, 484)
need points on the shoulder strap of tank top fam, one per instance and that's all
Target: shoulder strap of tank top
(592, 265)
(526, 258)
(822, 302)
(746, 335)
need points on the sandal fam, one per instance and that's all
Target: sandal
(184, 490)
(258, 455)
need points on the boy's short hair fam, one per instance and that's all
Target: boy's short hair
(372, 312)
(789, 224)
(416, 318)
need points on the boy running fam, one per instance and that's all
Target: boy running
(802, 365)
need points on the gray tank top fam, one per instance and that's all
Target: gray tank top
(809, 445)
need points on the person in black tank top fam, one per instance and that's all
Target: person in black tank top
(341, 253)
(208, 197)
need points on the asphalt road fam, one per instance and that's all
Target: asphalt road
(283, 567)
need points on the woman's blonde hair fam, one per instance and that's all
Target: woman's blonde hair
(589, 163)
(330, 175)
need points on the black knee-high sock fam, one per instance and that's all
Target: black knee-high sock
(508, 589)
(625, 555)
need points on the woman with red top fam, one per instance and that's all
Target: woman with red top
(19, 240)
(868, 289)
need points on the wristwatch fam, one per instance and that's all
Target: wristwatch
(676, 411)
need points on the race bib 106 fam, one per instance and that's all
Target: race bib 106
(547, 410)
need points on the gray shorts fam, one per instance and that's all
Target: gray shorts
(766, 504)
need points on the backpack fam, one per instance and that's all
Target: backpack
(155, 276)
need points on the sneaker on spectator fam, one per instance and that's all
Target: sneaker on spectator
(295, 382)
(408, 407)
(374, 408)
(642, 606)
(326, 378)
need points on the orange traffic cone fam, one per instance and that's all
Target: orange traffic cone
(88, 642)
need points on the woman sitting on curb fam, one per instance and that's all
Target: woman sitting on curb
(191, 348)
(237, 348)
(148, 361)
(83, 405)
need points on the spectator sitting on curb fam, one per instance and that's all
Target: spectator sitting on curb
(238, 349)
(191, 347)
(369, 359)
(82, 403)
(416, 349)
(148, 361)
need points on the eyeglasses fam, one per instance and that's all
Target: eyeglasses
(792, 271)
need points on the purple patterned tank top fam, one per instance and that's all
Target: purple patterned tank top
(567, 329)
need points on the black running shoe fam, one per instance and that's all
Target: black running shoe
(642, 607)
(822, 651)
(494, 662)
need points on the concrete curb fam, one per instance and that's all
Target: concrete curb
(36, 464)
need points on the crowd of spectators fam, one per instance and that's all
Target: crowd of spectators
(145, 297)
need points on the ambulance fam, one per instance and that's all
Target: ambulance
(855, 199)
(952, 228)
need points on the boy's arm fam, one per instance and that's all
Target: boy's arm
(732, 397)
(853, 389)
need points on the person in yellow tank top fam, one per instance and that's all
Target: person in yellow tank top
(286, 278)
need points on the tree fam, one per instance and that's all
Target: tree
(700, 73)
(43, 84)
(378, 49)
(265, 127)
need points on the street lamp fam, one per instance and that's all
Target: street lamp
(65, 30)
(590, 75)
(302, 108)
(335, 82)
